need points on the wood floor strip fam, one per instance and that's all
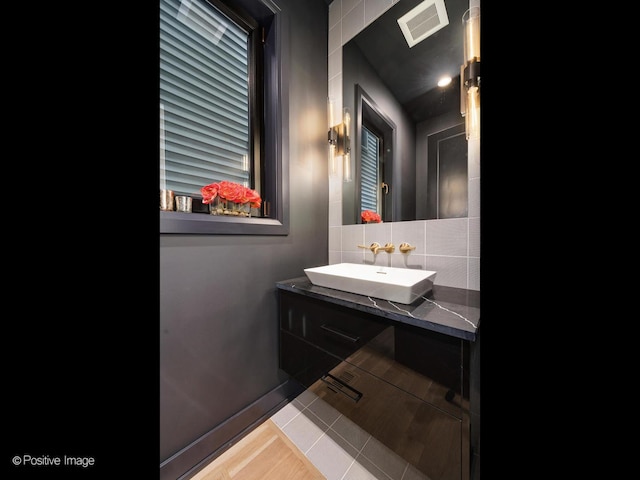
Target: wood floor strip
(264, 454)
(253, 453)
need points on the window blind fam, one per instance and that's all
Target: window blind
(204, 97)
(369, 171)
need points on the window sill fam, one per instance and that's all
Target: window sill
(206, 224)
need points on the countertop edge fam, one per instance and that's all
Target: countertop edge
(331, 296)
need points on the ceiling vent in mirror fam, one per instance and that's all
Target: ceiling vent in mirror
(425, 19)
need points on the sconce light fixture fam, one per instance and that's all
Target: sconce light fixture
(470, 73)
(444, 81)
(340, 142)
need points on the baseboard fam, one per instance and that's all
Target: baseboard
(191, 459)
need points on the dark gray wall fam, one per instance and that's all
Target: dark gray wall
(218, 304)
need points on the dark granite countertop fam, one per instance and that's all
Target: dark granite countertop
(448, 310)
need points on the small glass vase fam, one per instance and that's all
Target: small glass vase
(221, 206)
(217, 206)
(239, 209)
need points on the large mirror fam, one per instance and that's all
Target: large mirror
(409, 152)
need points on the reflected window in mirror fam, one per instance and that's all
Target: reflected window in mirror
(374, 159)
(371, 169)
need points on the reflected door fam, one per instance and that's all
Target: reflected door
(374, 160)
(448, 174)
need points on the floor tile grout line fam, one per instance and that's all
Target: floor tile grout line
(348, 468)
(353, 459)
(359, 452)
(288, 421)
(406, 468)
(374, 464)
(304, 407)
(324, 432)
(314, 444)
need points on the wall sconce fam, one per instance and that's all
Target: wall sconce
(470, 73)
(340, 143)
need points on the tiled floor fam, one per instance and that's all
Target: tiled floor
(339, 448)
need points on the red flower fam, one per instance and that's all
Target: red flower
(209, 192)
(370, 217)
(232, 192)
(253, 197)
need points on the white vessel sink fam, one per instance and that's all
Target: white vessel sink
(402, 285)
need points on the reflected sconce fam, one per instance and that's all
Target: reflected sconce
(470, 73)
(340, 143)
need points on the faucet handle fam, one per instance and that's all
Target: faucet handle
(389, 247)
(405, 247)
(374, 247)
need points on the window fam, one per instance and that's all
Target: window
(369, 160)
(220, 86)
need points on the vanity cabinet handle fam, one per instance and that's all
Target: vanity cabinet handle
(336, 385)
(339, 333)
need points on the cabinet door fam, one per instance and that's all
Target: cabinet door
(443, 358)
(303, 361)
(423, 435)
(405, 386)
(337, 330)
(423, 363)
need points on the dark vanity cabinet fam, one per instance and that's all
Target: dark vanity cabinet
(315, 336)
(406, 385)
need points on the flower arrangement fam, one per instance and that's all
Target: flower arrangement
(230, 198)
(370, 217)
